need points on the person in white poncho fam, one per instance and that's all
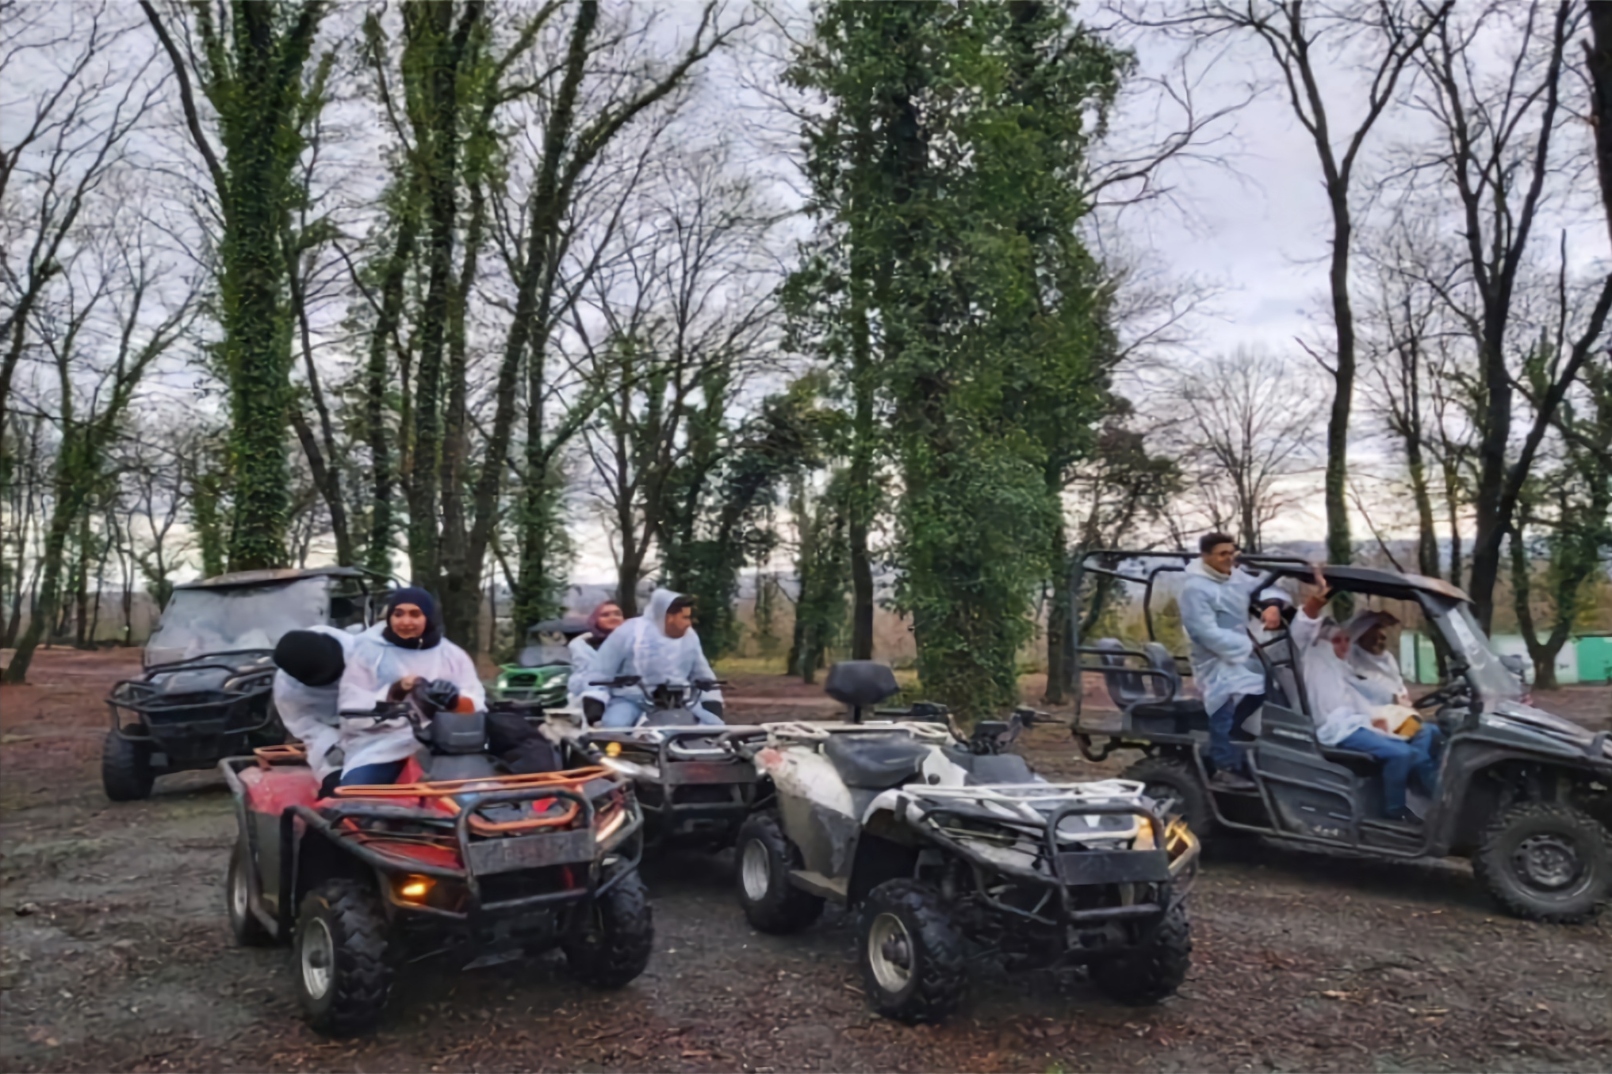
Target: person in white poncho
(602, 622)
(306, 686)
(1348, 719)
(383, 666)
(1377, 672)
(661, 646)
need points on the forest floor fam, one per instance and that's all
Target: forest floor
(115, 953)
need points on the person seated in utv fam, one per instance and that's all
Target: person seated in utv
(1345, 718)
(1377, 672)
(659, 647)
(407, 651)
(306, 686)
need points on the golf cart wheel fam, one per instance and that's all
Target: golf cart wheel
(1175, 786)
(1154, 969)
(616, 934)
(126, 768)
(765, 857)
(342, 973)
(1546, 861)
(248, 930)
(911, 955)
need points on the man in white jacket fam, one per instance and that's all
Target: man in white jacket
(386, 665)
(1214, 606)
(661, 646)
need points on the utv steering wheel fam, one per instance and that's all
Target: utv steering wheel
(1443, 694)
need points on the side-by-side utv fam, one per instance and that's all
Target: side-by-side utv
(209, 670)
(1524, 794)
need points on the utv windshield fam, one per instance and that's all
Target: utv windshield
(1492, 679)
(201, 621)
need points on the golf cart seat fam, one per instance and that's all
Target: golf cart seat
(1362, 763)
(874, 762)
(1179, 717)
(859, 683)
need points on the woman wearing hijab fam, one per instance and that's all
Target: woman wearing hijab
(385, 666)
(661, 646)
(602, 622)
(1346, 718)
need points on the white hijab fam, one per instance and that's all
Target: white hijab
(1379, 677)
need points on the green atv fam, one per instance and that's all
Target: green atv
(542, 671)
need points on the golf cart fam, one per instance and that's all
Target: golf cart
(693, 789)
(542, 670)
(205, 693)
(950, 847)
(1526, 795)
(459, 858)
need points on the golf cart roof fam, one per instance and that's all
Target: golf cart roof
(267, 577)
(1371, 580)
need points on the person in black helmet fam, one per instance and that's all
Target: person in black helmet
(306, 688)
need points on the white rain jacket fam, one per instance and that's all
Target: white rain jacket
(641, 647)
(1336, 704)
(309, 712)
(1214, 612)
(582, 655)
(373, 666)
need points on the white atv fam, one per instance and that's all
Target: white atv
(951, 848)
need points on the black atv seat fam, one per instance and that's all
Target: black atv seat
(1179, 717)
(990, 768)
(860, 682)
(874, 762)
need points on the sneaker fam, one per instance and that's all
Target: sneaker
(1224, 780)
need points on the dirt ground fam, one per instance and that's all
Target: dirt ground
(115, 954)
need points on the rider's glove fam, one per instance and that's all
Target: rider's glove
(443, 694)
(592, 709)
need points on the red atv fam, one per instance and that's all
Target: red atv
(458, 857)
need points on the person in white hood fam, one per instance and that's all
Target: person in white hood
(310, 664)
(602, 622)
(661, 646)
(385, 666)
(1214, 606)
(1346, 718)
(1377, 671)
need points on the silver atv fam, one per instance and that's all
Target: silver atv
(951, 848)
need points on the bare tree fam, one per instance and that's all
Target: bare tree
(1307, 43)
(1243, 433)
(1500, 158)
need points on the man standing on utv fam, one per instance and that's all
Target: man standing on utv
(661, 646)
(1214, 607)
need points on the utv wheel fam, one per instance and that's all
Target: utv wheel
(911, 954)
(1546, 862)
(615, 937)
(126, 768)
(1153, 970)
(1175, 786)
(248, 930)
(765, 857)
(342, 972)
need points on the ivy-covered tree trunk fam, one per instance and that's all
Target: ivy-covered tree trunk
(252, 72)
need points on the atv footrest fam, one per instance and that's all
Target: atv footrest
(1114, 867)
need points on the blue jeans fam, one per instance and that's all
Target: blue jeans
(1223, 756)
(625, 711)
(369, 774)
(1401, 758)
